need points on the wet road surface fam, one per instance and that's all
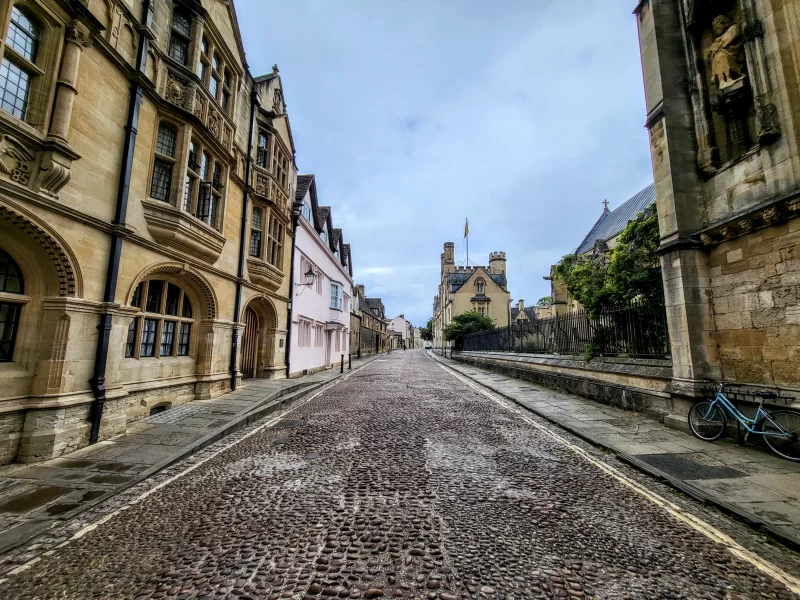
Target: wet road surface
(400, 481)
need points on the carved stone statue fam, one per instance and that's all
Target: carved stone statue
(726, 54)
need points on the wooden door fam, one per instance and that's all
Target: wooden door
(249, 343)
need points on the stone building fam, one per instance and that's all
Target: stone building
(475, 288)
(401, 325)
(600, 240)
(523, 314)
(369, 318)
(145, 179)
(722, 89)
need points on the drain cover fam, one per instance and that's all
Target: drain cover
(683, 468)
(286, 423)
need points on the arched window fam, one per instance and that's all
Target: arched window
(18, 68)
(164, 162)
(163, 327)
(11, 283)
(480, 287)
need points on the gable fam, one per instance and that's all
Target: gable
(222, 15)
(467, 284)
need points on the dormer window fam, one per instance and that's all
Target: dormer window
(324, 235)
(179, 39)
(307, 210)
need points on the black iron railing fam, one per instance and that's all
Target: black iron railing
(636, 331)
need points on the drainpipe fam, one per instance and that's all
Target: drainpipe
(237, 301)
(297, 208)
(98, 380)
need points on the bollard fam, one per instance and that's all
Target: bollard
(349, 362)
(341, 364)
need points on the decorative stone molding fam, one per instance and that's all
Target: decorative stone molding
(65, 265)
(752, 30)
(264, 274)
(77, 34)
(176, 229)
(771, 213)
(15, 159)
(54, 173)
(185, 272)
(179, 91)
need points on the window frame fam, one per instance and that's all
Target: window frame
(276, 237)
(207, 178)
(480, 287)
(170, 161)
(216, 74)
(134, 340)
(179, 35)
(338, 305)
(256, 233)
(33, 67)
(10, 304)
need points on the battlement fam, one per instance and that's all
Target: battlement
(497, 256)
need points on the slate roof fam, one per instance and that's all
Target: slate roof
(322, 213)
(303, 183)
(611, 223)
(529, 310)
(337, 233)
(459, 279)
(376, 304)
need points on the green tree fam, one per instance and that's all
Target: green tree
(466, 323)
(632, 272)
(426, 333)
(545, 301)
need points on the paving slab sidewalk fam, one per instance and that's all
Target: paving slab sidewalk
(33, 497)
(744, 481)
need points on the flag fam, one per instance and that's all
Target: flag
(466, 228)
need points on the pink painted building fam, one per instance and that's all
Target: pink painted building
(323, 287)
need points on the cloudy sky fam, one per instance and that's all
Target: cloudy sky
(523, 115)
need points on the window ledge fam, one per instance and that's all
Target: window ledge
(179, 230)
(264, 274)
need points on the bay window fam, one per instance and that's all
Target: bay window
(336, 295)
(256, 231)
(164, 162)
(275, 242)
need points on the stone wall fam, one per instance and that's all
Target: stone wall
(755, 282)
(632, 384)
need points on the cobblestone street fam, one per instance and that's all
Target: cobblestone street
(401, 480)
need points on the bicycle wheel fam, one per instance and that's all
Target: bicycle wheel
(707, 422)
(786, 421)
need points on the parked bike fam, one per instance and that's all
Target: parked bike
(780, 429)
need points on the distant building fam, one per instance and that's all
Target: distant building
(521, 313)
(372, 326)
(465, 289)
(600, 240)
(400, 325)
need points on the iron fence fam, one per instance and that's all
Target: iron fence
(636, 331)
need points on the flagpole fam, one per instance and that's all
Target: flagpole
(466, 231)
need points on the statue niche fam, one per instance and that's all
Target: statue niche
(730, 94)
(726, 54)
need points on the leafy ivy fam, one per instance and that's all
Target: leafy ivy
(632, 272)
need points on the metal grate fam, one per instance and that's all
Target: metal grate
(684, 468)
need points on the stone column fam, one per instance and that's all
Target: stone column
(76, 40)
(670, 121)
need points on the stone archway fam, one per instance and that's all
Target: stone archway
(267, 360)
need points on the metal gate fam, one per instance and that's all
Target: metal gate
(249, 343)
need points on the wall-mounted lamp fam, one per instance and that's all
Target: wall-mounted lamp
(311, 277)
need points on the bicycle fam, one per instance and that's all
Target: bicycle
(780, 429)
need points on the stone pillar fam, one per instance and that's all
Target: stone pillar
(670, 121)
(76, 40)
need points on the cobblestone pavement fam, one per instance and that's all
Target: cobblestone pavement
(399, 481)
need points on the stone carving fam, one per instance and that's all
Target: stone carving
(174, 92)
(58, 354)
(277, 101)
(769, 127)
(226, 136)
(745, 225)
(262, 185)
(69, 283)
(52, 177)
(770, 215)
(199, 107)
(14, 159)
(213, 124)
(726, 54)
(76, 34)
